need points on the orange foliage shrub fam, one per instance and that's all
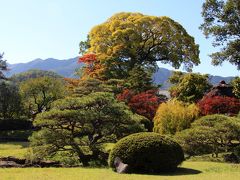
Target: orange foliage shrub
(92, 67)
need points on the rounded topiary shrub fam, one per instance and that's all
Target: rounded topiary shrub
(147, 152)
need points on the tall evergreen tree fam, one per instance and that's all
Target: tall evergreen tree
(222, 22)
(3, 66)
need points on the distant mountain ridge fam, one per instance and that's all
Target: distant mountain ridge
(67, 67)
(162, 75)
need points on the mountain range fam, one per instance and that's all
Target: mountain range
(67, 68)
(64, 68)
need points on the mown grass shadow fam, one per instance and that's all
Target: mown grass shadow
(185, 171)
(179, 172)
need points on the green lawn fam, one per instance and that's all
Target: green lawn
(188, 171)
(17, 149)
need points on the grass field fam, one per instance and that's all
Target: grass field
(189, 170)
(17, 149)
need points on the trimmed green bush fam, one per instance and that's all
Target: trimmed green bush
(210, 120)
(147, 152)
(210, 134)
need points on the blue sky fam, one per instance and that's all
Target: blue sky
(33, 29)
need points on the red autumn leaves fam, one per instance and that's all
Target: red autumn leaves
(88, 58)
(219, 105)
(145, 103)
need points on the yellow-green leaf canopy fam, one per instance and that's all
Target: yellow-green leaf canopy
(128, 39)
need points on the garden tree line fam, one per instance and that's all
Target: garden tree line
(115, 95)
(10, 101)
(9, 95)
(30, 98)
(39, 93)
(31, 74)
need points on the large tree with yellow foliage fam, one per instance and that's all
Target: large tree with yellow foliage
(129, 39)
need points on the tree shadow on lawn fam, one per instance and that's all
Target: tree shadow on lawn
(179, 172)
(185, 171)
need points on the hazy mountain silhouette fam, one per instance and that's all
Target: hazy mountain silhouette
(67, 67)
(64, 68)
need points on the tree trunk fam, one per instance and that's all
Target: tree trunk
(99, 155)
(82, 157)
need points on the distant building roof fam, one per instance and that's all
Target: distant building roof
(165, 93)
(222, 89)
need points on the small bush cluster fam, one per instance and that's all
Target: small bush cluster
(174, 116)
(147, 152)
(210, 134)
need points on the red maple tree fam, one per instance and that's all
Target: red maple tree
(145, 103)
(219, 105)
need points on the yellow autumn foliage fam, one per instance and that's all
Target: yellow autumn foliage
(174, 116)
(129, 39)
